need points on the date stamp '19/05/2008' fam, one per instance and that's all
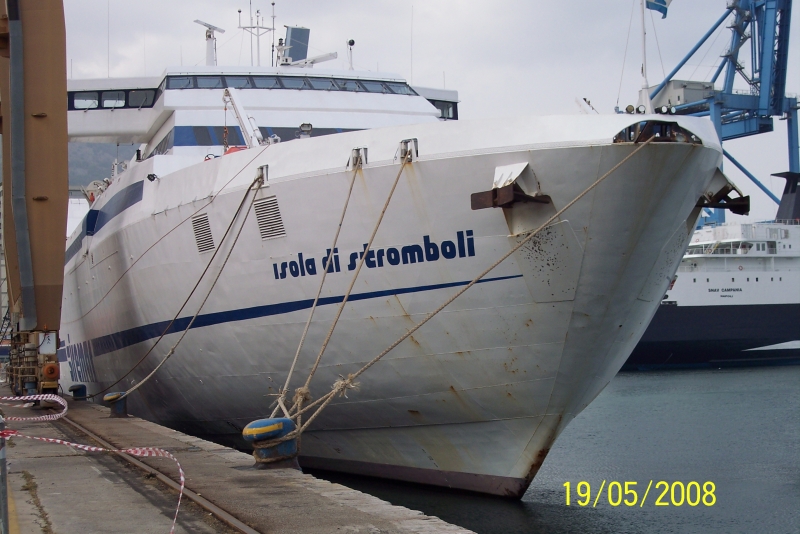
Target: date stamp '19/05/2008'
(627, 493)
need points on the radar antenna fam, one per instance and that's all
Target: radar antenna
(211, 42)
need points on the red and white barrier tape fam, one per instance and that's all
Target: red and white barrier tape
(49, 398)
(136, 451)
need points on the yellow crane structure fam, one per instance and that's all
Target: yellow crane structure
(33, 118)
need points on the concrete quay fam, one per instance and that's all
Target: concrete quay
(64, 490)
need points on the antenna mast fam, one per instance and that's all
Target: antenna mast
(350, 44)
(644, 94)
(257, 29)
(272, 56)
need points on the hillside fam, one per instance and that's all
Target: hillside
(92, 161)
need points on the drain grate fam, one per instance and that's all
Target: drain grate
(269, 219)
(202, 233)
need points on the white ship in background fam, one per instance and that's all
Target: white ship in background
(735, 299)
(476, 398)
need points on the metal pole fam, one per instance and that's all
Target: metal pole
(792, 131)
(752, 178)
(3, 482)
(251, 33)
(272, 54)
(644, 50)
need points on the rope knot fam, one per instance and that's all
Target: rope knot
(302, 394)
(343, 384)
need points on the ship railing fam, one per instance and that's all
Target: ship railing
(709, 250)
(788, 222)
(705, 268)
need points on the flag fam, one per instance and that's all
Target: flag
(659, 5)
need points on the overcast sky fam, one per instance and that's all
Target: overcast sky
(505, 57)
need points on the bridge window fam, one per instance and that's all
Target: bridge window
(88, 100)
(239, 82)
(323, 84)
(146, 98)
(374, 87)
(266, 82)
(180, 82)
(447, 110)
(210, 82)
(141, 98)
(165, 145)
(349, 85)
(113, 99)
(400, 89)
(294, 83)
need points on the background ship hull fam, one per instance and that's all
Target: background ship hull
(719, 336)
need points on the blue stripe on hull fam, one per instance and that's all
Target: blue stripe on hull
(96, 219)
(718, 336)
(126, 338)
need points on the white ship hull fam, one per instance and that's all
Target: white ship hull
(477, 396)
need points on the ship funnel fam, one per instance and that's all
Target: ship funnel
(790, 201)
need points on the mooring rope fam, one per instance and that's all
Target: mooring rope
(157, 241)
(302, 393)
(328, 266)
(341, 385)
(258, 181)
(166, 330)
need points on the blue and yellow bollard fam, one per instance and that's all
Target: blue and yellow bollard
(265, 431)
(119, 404)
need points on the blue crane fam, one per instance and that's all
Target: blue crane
(764, 26)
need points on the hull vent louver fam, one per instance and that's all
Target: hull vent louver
(268, 214)
(202, 233)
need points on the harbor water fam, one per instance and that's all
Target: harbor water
(737, 428)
